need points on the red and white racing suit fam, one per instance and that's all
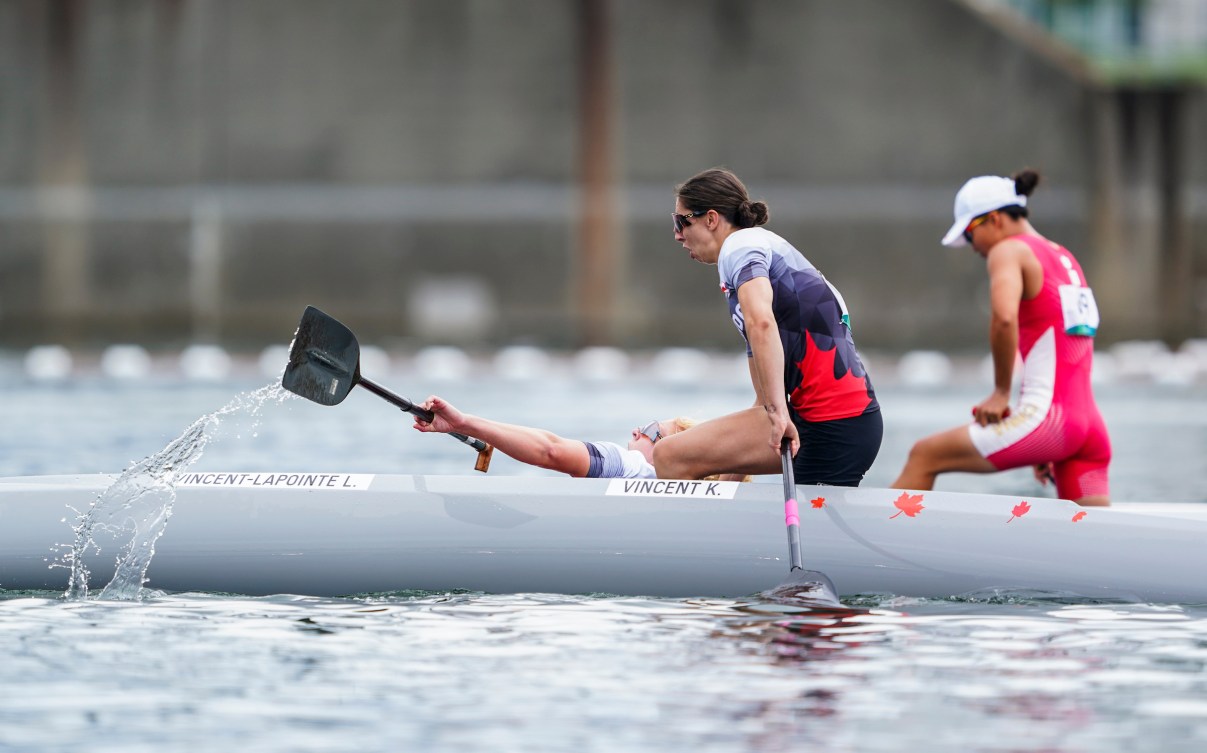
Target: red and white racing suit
(1056, 419)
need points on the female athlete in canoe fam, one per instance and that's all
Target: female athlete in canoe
(1043, 309)
(810, 384)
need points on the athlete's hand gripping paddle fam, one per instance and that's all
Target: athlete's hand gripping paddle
(324, 366)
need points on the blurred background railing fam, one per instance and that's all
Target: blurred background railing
(478, 173)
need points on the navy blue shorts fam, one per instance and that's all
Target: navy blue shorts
(838, 452)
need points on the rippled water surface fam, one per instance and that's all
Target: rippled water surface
(462, 672)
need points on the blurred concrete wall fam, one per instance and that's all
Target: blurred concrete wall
(489, 172)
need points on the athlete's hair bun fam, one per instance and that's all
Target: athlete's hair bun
(1025, 181)
(752, 214)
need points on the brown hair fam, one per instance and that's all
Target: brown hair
(719, 189)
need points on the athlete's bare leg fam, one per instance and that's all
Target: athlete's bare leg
(947, 451)
(735, 443)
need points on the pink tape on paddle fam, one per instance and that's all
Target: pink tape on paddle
(791, 514)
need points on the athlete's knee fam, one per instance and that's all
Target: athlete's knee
(921, 454)
(668, 462)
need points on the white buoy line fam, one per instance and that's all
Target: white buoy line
(1128, 362)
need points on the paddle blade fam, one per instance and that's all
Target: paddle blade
(324, 360)
(807, 588)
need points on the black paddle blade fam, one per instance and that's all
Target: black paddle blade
(324, 360)
(808, 588)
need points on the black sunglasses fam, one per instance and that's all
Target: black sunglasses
(683, 220)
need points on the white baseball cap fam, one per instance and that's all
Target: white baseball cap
(980, 196)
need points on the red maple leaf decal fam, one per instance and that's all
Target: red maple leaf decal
(1021, 509)
(1079, 516)
(819, 503)
(910, 504)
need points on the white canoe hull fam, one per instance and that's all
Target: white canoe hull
(562, 535)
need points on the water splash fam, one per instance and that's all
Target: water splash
(135, 508)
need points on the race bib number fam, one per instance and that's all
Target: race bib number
(1080, 310)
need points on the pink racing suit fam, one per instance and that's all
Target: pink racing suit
(1056, 419)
